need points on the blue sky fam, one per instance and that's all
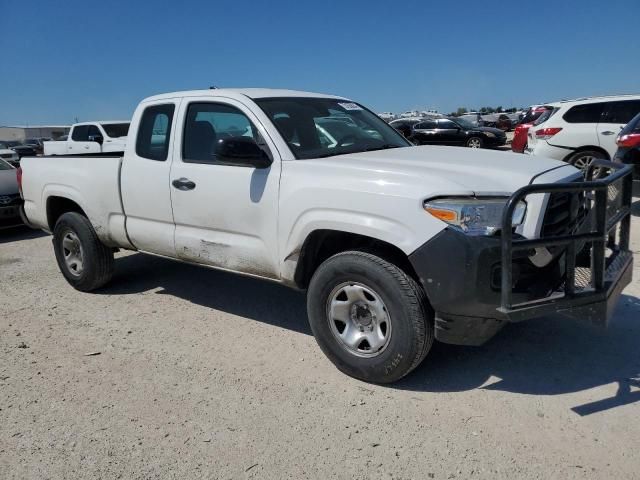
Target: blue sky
(96, 60)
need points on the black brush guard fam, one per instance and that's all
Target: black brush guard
(606, 277)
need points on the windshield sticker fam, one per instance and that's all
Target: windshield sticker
(350, 106)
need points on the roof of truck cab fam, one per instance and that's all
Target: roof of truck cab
(103, 122)
(253, 93)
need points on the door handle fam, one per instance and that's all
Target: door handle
(607, 132)
(183, 184)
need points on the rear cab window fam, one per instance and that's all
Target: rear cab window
(116, 130)
(154, 132)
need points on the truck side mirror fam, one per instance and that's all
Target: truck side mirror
(97, 138)
(241, 151)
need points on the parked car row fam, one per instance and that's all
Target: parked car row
(583, 130)
(453, 131)
(503, 121)
(12, 151)
(531, 117)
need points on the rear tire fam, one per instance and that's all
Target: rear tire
(85, 262)
(583, 159)
(371, 293)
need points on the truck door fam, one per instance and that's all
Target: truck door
(144, 178)
(225, 215)
(80, 142)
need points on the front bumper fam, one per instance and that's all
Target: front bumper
(478, 284)
(10, 216)
(542, 148)
(496, 141)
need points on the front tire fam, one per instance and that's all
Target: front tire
(475, 142)
(369, 317)
(85, 262)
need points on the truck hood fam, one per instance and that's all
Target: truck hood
(450, 170)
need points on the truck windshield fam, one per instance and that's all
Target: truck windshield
(324, 127)
(116, 130)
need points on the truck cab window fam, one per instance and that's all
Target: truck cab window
(80, 133)
(206, 123)
(93, 132)
(154, 132)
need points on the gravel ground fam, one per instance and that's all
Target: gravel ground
(174, 371)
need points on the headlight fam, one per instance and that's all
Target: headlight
(474, 216)
(489, 134)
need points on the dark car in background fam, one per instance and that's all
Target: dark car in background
(457, 132)
(533, 116)
(628, 142)
(405, 125)
(10, 200)
(36, 143)
(21, 149)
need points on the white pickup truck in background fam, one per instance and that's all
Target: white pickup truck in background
(91, 137)
(395, 244)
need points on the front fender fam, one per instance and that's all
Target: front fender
(381, 228)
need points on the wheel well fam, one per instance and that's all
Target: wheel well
(56, 206)
(588, 147)
(322, 244)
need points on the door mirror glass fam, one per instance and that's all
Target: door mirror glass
(243, 151)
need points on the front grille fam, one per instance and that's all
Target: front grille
(614, 199)
(6, 155)
(559, 219)
(10, 200)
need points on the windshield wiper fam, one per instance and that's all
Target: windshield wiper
(380, 147)
(366, 149)
(331, 154)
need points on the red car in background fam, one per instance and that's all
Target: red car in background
(519, 142)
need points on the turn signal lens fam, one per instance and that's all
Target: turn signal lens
(442, 213)
(474, 216)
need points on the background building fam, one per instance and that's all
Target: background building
(22, 132)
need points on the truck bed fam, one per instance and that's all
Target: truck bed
(92, 181)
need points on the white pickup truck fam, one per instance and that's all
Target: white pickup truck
(395, 244)
(91, 137)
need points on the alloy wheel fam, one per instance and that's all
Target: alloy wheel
(73, 254)
(359, 319)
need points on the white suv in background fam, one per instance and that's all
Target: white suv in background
(579, 131)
